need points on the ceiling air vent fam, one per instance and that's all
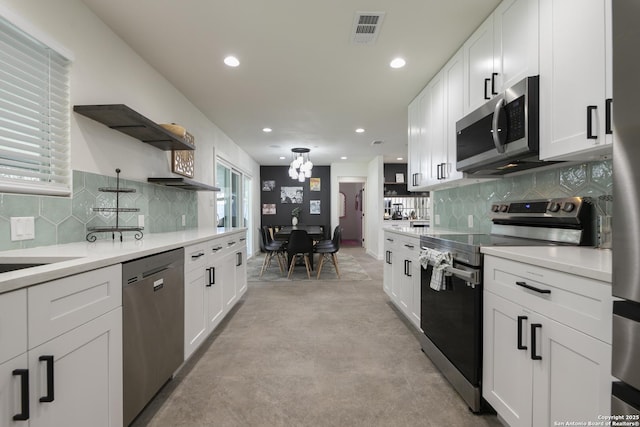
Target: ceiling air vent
(366, 27)
(376, 142)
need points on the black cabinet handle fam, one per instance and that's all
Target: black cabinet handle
(408, 246)
(486, 86)
(521, 319)
(50, 387)
(438, 171)
(590, 110)
(216, 249)
(212, 276)
(198, 255)
(534, 326)
(24, 394)
(231, 243)
(238, 259)
(533, 288)
(608, 128)
(493, 83)
(444, 169)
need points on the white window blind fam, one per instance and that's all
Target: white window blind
(34, 115)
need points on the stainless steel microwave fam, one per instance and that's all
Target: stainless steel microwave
(501, 136)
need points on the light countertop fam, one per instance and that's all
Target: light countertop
(78, 257)
(578, 260)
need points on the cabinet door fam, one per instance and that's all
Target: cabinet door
(414, 129)
(572, 381)
(214, 301)
(228, 280)
(13, 324)
(478, 60)
(506, 376)
(388, 264)
(574, 60)
(515, 44)
(241, 270)
(195, 310)
(435, 138)
(454, 78)
(11, 391)
(87, 372)
(415, 287)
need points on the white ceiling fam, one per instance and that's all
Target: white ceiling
(299, 73)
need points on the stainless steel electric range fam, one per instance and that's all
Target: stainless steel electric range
(451, 318)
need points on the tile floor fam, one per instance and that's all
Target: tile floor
(312, 353)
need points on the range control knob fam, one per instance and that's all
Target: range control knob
(504, 208)
(495, 208)
(553, 207)
(569, 206)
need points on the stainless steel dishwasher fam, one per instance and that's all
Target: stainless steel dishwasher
(153, 326)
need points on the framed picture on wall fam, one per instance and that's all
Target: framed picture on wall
(269, 185)
(291, 195)
(314, 207)
(268, 209)
(314, 184)
(400, 177)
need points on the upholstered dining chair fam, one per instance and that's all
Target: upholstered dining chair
(326, 248)
(300, 244)
(271, 248)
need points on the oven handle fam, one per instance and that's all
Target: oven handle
(472, 277)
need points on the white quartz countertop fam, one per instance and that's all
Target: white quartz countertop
(578, 260)
(78, 257)
(419, 231)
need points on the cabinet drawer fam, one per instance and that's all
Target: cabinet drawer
(58, 306)
(195, 257)
(579, 302)
(13, 324)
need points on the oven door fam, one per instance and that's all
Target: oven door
(452, 318)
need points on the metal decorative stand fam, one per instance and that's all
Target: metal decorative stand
(92, 237)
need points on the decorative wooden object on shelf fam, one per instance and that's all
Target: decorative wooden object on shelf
(130, 122)
(182, 161)
(91, 236)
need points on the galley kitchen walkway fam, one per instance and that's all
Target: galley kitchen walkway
(312, 353)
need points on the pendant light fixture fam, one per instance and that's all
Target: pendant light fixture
(300, 167)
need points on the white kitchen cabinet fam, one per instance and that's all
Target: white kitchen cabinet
(403, 273)
(195, 297)
(389, 249)
(547, 358)
(213, 287)
(418, 153)
(501, 52)
(87, 385)
(71, 351)
(575, 79)
(241, 267)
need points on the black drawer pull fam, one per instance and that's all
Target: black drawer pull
(24, 394)
(408, 246)
(198, 255)
(212, 276)
(486, 86)
(493, 83)
(534, 326)
(50, 387)
(607, 120)
(590, 110)
(533, 288)
(521, 319)
(238, 259)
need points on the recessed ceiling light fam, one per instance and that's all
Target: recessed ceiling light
(397, 63)
(343, 158)
(399, 158)
(282, 157)
(231, 61)
(359, 130)
(267, 130)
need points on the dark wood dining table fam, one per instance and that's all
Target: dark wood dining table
(316, 232)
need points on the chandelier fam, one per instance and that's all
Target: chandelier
(300, 167)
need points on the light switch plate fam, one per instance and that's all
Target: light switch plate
(22, 228)
(437, 218)
(470, 221)
(184, 220)
(141, 221)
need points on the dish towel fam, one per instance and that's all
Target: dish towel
(440, 261)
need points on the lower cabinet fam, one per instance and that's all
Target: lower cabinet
(215, 279)
(402, 274)
(70, 371)
(538, 371)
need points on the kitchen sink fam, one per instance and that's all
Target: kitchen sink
(14, 266)
(7, 265)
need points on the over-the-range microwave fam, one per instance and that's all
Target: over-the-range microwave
(502, 136)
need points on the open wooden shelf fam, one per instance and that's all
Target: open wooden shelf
(130, 122)
(183, 183)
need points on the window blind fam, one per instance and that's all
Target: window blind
(34, 115)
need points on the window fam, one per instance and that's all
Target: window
(34, 115)
(233, 201)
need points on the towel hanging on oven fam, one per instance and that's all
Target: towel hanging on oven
(440, 261)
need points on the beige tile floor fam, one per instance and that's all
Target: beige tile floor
(312, 353)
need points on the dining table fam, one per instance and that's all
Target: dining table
(316, 232)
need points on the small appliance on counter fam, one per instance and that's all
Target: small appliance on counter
(397, 213)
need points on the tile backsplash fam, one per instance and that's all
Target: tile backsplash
(65, 219)
(455, 205)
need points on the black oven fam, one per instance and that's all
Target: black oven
(502, 136)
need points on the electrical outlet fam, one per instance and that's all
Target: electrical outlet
(437, 219)
(22, 228)
(184, 220)
(141, 221)
(470, 221)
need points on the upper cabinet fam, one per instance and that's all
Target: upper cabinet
(575, 79)
(501, 52)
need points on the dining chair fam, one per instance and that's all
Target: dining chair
(326, 248)
(271, 248)
(300, 244)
